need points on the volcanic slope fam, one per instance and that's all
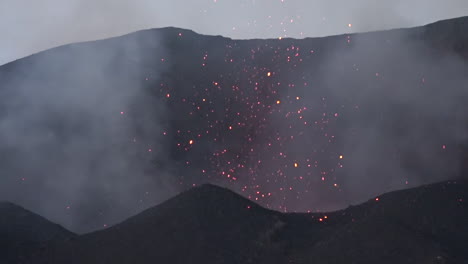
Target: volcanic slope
(210, 224)
(21, 231)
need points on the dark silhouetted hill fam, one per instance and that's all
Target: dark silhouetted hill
(209, 224)
(22, 230)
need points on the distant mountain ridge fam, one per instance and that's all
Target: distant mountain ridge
(452, 29)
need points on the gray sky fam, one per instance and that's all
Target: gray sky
(28, 26)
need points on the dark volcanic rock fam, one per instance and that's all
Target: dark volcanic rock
(22, 230)
(210, 224)
(421, 225)
(207, 224)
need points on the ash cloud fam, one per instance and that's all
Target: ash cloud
(408, 126)
(76, 140)
(391, 103)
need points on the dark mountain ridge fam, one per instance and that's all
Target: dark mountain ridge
(209, 224)
(21, 231)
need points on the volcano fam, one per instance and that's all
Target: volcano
(110, 128)
(358, 114)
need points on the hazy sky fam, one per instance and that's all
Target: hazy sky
(29, 26)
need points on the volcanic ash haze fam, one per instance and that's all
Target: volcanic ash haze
(64, 143)
(94, 132)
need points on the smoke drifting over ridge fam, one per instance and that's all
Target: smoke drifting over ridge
(66, 135)
(409, 127)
